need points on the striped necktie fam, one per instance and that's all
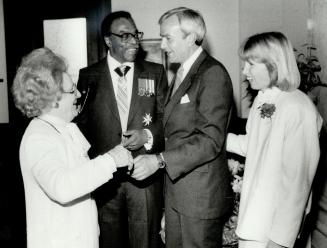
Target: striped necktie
(122, 98)
(178, 79)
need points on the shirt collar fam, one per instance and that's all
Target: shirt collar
(113, 63)
(269, 94)
(57, 122)
(189, 62)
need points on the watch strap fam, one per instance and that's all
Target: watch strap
(161, 161)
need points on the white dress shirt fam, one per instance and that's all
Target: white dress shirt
(113, 64)
(190, 61)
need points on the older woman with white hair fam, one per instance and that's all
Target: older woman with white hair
(57, 172)
(281, 145)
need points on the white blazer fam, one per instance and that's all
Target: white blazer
(58, 178)
(282, 154)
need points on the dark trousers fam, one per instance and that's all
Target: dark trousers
(187, 232)
(131, 217)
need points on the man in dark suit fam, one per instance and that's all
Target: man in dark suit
(122, 101)
(198, 193)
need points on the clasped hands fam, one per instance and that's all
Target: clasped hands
(142, 166)
(139, 168)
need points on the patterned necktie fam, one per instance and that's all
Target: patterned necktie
(178, 79)
(122, 98)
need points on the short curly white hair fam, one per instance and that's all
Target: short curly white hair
(38, 81)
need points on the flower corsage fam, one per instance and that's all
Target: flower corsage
(267, 110)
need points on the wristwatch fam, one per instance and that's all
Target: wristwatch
(161, 161)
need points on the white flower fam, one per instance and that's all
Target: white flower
(237, 184)
(236, 169)
(147, 119)
(234, 166)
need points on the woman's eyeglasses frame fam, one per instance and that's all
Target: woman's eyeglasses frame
(72, 91)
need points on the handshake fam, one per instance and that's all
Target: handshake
(139, 168)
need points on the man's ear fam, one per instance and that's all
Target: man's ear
(107, 41)
(191, 38)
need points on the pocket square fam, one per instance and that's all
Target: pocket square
(185, 99)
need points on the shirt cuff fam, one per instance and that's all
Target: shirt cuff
(148, 145)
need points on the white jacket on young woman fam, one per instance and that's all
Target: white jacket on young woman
(282, 152)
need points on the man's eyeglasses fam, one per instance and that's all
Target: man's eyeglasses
(127, 37)
(72, 91)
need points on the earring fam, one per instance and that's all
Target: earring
(107, 41)
(56, 105)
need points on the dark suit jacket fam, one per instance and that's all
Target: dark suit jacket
(198, 181)
(99, 119)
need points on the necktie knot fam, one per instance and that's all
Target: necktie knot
(122, 70)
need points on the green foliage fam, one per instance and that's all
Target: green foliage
(309, 67)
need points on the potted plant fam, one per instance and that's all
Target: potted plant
(309, 67)
(230, 239)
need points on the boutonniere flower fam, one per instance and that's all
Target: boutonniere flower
(147, 119)
(267, 110)
(146, 87)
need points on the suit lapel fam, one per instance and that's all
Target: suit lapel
(169, 91)
(135, 104)
(187, 82)
(106, 88)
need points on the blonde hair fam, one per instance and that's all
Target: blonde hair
(275, 51)
(190, 21)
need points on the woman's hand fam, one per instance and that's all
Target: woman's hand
(122, 156)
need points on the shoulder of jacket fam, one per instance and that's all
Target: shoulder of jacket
(94, 67)
(210, 63)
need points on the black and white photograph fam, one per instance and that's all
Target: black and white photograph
(163, 124)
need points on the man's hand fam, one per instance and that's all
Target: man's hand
(122, 156)
(134, 139)
(144, 166)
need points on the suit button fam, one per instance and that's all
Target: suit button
(166, 138)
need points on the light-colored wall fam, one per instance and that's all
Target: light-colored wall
(319, 39)
(287, 16)
(228, 22)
